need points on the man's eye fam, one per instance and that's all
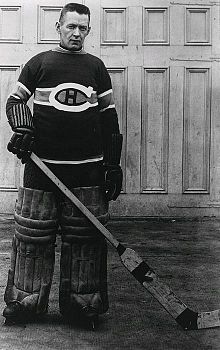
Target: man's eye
(82, 29)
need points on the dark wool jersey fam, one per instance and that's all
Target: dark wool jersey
(71, 91)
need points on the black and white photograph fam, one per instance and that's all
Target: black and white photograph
(110, 175)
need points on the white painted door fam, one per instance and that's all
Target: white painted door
(163, 57)
(164, 60)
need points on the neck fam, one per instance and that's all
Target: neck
(64, 48)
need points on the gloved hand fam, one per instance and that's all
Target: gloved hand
(113, 177)
(21, 143)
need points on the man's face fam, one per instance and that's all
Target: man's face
(73, 29)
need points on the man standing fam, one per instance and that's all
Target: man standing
(74, 129)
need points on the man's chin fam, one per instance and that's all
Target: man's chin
(75, 45)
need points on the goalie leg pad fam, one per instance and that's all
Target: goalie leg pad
(33, 250)
(83, 265)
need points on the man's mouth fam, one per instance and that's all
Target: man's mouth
(75, 41)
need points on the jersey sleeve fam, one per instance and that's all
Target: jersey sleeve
(109, 117)
(104, 80)
(105, 92)
(29, 75)
(17, 111)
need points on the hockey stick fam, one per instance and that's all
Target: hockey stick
(184, 316)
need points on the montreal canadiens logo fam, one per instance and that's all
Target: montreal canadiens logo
(72, 97)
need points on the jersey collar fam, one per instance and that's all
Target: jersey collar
(62, 50)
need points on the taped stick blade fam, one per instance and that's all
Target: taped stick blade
(191, 320)
(209, 319)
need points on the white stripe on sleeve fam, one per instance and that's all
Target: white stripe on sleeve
(104, 109)
(105, 93)
(24, 87)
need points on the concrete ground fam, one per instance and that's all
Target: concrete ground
(185, 254)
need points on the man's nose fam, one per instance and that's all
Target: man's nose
(76, 31)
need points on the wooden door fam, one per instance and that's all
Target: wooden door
(163, 57)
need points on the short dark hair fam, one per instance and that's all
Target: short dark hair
(74, 7)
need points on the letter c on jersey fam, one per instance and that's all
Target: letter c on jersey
(72, 97)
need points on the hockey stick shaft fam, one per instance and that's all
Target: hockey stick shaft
(187, 318)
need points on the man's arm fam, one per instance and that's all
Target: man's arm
(21, 121)
(18, 113)
(112, 144)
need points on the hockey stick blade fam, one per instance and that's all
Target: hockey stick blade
(184, 316)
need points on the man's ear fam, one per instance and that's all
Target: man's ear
(57, 26)
(88, 30)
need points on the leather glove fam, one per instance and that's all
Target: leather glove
(21, 143)
(113, 177)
